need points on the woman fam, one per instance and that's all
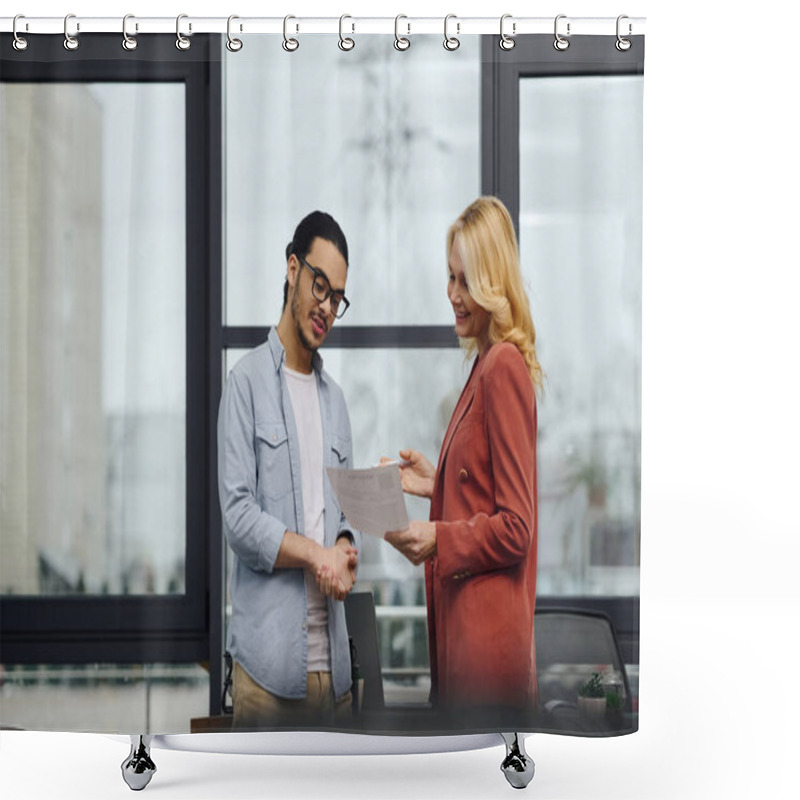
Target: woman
(479, 546)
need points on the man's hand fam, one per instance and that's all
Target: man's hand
(336, 572)
(417, 542)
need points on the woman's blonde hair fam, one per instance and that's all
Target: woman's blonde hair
(487, 243)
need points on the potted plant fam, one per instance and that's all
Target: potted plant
(592, 698)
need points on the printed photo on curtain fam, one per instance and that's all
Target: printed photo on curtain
(254, 286)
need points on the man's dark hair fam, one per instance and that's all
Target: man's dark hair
(316, 224)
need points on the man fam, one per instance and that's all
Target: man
(282, 420)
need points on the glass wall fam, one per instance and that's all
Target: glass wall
(387, 142)
(93, 394)
(580, 242)
(93, 346)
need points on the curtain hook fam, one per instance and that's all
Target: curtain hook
(70, 42)
(234, 45)
(289, 45)
(182, 43)
(20, 43)
(451, 42)
(507, 42)
(560, 42)
(346, 43)
(400, 42)
(128, 42)
(623, 44)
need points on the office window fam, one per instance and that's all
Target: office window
(580, 243)
(109, 182)
(386, 144)
(94, 344)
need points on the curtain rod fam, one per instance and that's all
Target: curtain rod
(507, 25)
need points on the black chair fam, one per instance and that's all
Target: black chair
(359, 609)
(571, 645)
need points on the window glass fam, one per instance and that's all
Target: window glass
(580, 241)
(92, 351)
(387, 142)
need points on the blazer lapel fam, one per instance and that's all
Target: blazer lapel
(462, 407)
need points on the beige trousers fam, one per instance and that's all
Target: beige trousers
(255, 707)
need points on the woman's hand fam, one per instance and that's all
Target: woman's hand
(417, 542)
(416, 473)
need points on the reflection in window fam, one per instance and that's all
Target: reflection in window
(92, 281)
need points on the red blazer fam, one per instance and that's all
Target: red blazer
(481, 584)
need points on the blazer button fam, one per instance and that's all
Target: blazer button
(463, 475)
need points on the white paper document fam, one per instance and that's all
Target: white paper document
(372, 499)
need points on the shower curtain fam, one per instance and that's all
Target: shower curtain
(150, 183)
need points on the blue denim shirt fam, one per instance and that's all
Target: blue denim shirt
(261, 498)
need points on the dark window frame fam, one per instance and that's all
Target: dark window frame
(150, 628)
(502, 70)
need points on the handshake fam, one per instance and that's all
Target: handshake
(335, 570)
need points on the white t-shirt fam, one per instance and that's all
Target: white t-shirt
(304, 395)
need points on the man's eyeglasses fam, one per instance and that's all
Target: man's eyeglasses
(321, 289)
